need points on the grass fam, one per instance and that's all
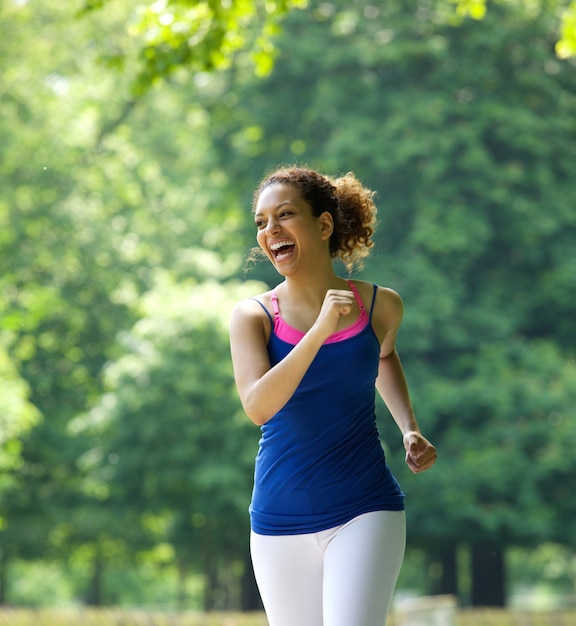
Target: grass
(120, 617)
(493, 617)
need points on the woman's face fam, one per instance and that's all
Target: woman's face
(288, 233)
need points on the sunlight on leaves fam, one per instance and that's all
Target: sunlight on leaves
(566, 46)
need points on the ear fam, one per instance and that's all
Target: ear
(326, 225)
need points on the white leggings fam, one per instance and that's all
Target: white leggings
(344, 576)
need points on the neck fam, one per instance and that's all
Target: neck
(313, 286)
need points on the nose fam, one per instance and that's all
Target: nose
(272, 227)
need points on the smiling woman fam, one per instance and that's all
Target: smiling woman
(327, 515)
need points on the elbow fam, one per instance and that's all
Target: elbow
(258, 419)
(393, 354)
(255, 413)
(260, 405)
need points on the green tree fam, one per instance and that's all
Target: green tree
(206, 35)
(96, 194)
(50, 343)
(566, 44)
(17, 416)
(198, 35)
(170, 443)
(468, 135)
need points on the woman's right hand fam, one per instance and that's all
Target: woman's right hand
(337, 303)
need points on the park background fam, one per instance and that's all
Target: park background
(132, 136)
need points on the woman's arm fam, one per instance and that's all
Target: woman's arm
(391, 381)
(264, 390)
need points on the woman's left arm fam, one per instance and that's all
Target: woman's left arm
(391, 381)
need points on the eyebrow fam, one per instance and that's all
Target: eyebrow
(278, 206)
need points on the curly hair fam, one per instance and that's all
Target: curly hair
(350, 204)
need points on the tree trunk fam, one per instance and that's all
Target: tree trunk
(182, 593)
(447, 583)
(210, 587)
(488, 575)
(3, 576)
(94, 592)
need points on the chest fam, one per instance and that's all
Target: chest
(303, 318)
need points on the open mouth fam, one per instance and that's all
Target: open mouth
(282, 249)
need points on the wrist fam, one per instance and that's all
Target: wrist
(317, 335)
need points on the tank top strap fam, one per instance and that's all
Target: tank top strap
(373, 300)
(356, 294)
(274, 299)
(265, 310)
(359, 299)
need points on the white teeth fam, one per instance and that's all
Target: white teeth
(280, 244)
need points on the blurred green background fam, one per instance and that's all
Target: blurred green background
(131, 137)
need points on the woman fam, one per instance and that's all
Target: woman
(327, 516)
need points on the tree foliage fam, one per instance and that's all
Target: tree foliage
(171, 449)
(464, 132)
(18, 414)
(198, 35)
(95, 197)
(566, 41)
(125, 221)
(206, 35)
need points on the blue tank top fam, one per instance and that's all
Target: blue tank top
(320, 462)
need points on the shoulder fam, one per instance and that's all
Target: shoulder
(387, 309)
(386, 301)
(252, 313)
(253, 307)
(389, 303)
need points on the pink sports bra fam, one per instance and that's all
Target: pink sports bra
(292, 335)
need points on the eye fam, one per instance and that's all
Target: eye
(260, 224)
(285, 213)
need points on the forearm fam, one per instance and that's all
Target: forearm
(392, 387)
(275, 387)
